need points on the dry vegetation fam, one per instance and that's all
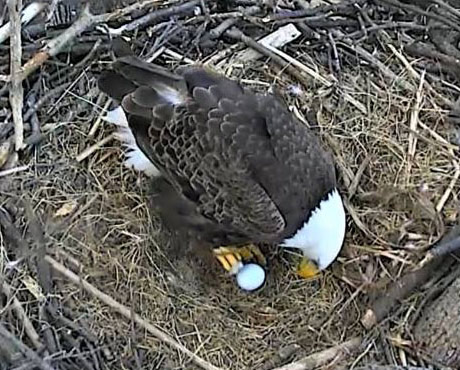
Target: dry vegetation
(378, 81)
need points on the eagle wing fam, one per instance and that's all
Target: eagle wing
(207, 135)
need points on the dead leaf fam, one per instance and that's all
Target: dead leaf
(4, 152)
(66, 209)
(33, 287)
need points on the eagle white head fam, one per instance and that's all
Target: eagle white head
(321, 237)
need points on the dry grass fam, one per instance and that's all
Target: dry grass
(398, 204)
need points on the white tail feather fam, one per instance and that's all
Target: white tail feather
(134, 156)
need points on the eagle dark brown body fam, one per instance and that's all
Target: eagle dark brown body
(237, 166)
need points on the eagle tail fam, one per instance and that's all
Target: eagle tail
(134, 157)
(130, 73)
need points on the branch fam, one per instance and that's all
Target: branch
(56, 45)
(16, 90)
(29, 13)
(6, 336)
(153, 16)
(322, 358)
(85, 21)
(417, 10)
(21, 314)
(402, 288)
(127, 312)
(442, 249)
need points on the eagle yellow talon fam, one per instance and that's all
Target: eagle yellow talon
(307, 269)
(225, 262)
(231, 257)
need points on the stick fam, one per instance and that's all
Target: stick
(53, 47)
(417, 76)
(289, 64)
(281, 356)
(346, 43)
(21, 314)
(98, 121)
(442, 249)
(127, 313)
(277, 39)
(403, 287)
(5, 150)
(85, 21)
(10, 171)
(26, 351)
(151, 17)
(240, 36)
(90, 150)
(322, 358)
(16, 90)
(417, 10)
(450, 188)
(347, 97)
(29, 13)
(217, 31)
(414, 117)
(449, 8)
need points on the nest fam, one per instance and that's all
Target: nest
(91, 280)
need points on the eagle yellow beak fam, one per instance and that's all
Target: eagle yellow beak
(307, 269)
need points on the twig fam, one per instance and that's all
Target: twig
(416, 75)
(151, 17)
(347, 97)
(53, 47)
(421, 49)
(281, 356)
(217, 31)
(16, 90)
(90, 150)
(277, 39)
(126, 312)
(311, 11)
(398, 291)
(98, 121)
(26, 351)
(448, 7)
(414, 117)
(21, 314)
(289, 64)
(403, 287)
(345, 42)
(85, 21)
(46, 98)
(416, 9)
(240, 36)
(450, 187)
(11, 171)
(322, 358)
(29, 13)
(363, 33)
(442, 249)
(178, 56)
(357, 178)
(5, 150)
(335, 58)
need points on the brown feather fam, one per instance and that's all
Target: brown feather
(242, 167)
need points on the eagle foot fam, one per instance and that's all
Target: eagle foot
(307, 269)
(232, 257)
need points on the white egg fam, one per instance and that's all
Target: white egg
(250, 277)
